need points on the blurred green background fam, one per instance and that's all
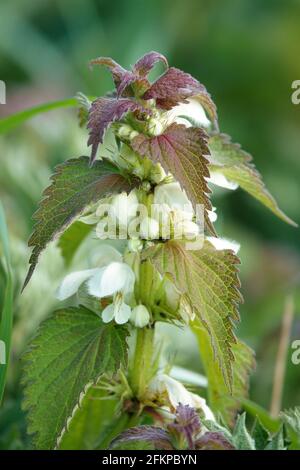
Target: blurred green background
(247, 54)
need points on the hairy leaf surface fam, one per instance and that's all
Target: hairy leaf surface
(175, 86)
(182, 152)
(209, 277)
(236, 165)
(70, 352)
(74, 186)
(102, 113)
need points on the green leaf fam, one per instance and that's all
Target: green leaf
(291, 419)
(72, 349)
(277, 441)
(271, 424)
(88, 421)
(74, 186)
(6, 318)
(236, 165)
(241, 437)
(209, 278)
(221, 402)
(72, 238)
(10, 122)
(182, 152)
(260, 435)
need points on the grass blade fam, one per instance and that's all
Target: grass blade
(10, 122)
(6, 318)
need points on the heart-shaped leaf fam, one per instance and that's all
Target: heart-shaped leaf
(72, 349)
(74, 186)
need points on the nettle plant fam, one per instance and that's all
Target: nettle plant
(144, 194)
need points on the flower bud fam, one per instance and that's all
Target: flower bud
(135, 244)
(155, 127)
(157, 173)
(140, 316)
(149, 229)
(124, 131)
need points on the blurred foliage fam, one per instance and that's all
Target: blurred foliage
(246, 53)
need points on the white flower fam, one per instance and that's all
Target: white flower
(135, 244)
(223, 244)
(114, 278)
(140, 316)
(149, 228)
(212, 214)
(191, 110)
(106, 281)
(124, 207)
(174, 197)
(218, 179)
(118, 310)
(177, 393)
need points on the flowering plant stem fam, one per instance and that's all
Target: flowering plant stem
(139, 374)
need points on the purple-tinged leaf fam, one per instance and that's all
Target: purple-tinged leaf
(181, 151)
(127, 79)
(117, 70)
(146, 63)
(74, 186)
(103, 112)
(213, 441)
(175, 86)
(154, 435)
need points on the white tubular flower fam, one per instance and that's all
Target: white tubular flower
(114, 278)
(218, 179)
(124, 207)
(149, 229)
(118, 311)
(191, 113)
(173, 196)
(71, 283)
(177, 393)
(140, 316)
(223, 244)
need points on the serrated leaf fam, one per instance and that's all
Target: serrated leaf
(103, 112)
(175, 86)
(260, 435)
(116, 69)
(74, 186)
(209, 278)
(241, 437)
(291, 419)
(88, 421)
(277, 442)
(182, 152)
(72, 349)
(236, 165)
(146, 63)
(221, 402)
(72, 238)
